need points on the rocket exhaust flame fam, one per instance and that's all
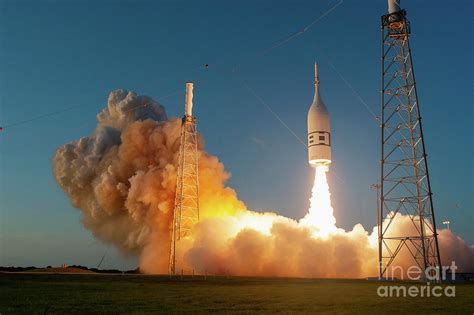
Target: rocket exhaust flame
(320, 215)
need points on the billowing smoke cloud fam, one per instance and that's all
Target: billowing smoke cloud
(123, 179)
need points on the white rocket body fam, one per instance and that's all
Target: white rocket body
(188, 107)
(319, 132)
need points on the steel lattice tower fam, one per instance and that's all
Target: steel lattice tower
(404, 180)
(186, 205)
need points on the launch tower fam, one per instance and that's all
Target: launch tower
(186, 205)
(404, 179)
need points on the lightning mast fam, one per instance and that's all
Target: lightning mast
(404, 179)
(186, 205)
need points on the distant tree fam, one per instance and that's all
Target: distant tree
(80, 267)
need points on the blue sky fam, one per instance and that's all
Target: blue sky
(58, 54)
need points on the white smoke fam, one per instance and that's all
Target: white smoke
(123, 179)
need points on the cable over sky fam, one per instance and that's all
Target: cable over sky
(263, 52)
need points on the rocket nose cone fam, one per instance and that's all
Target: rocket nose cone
(318, 107)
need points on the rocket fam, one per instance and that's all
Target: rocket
(319, 133)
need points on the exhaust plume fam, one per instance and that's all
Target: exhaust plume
(123, 179)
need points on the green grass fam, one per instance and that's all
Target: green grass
(60, 293)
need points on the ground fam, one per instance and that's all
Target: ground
(97, 293)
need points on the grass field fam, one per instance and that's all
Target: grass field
(66, 293)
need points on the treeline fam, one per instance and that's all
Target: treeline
(133, 271)
(17, 269)
(31, 268)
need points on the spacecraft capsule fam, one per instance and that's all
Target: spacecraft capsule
(319, 133)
